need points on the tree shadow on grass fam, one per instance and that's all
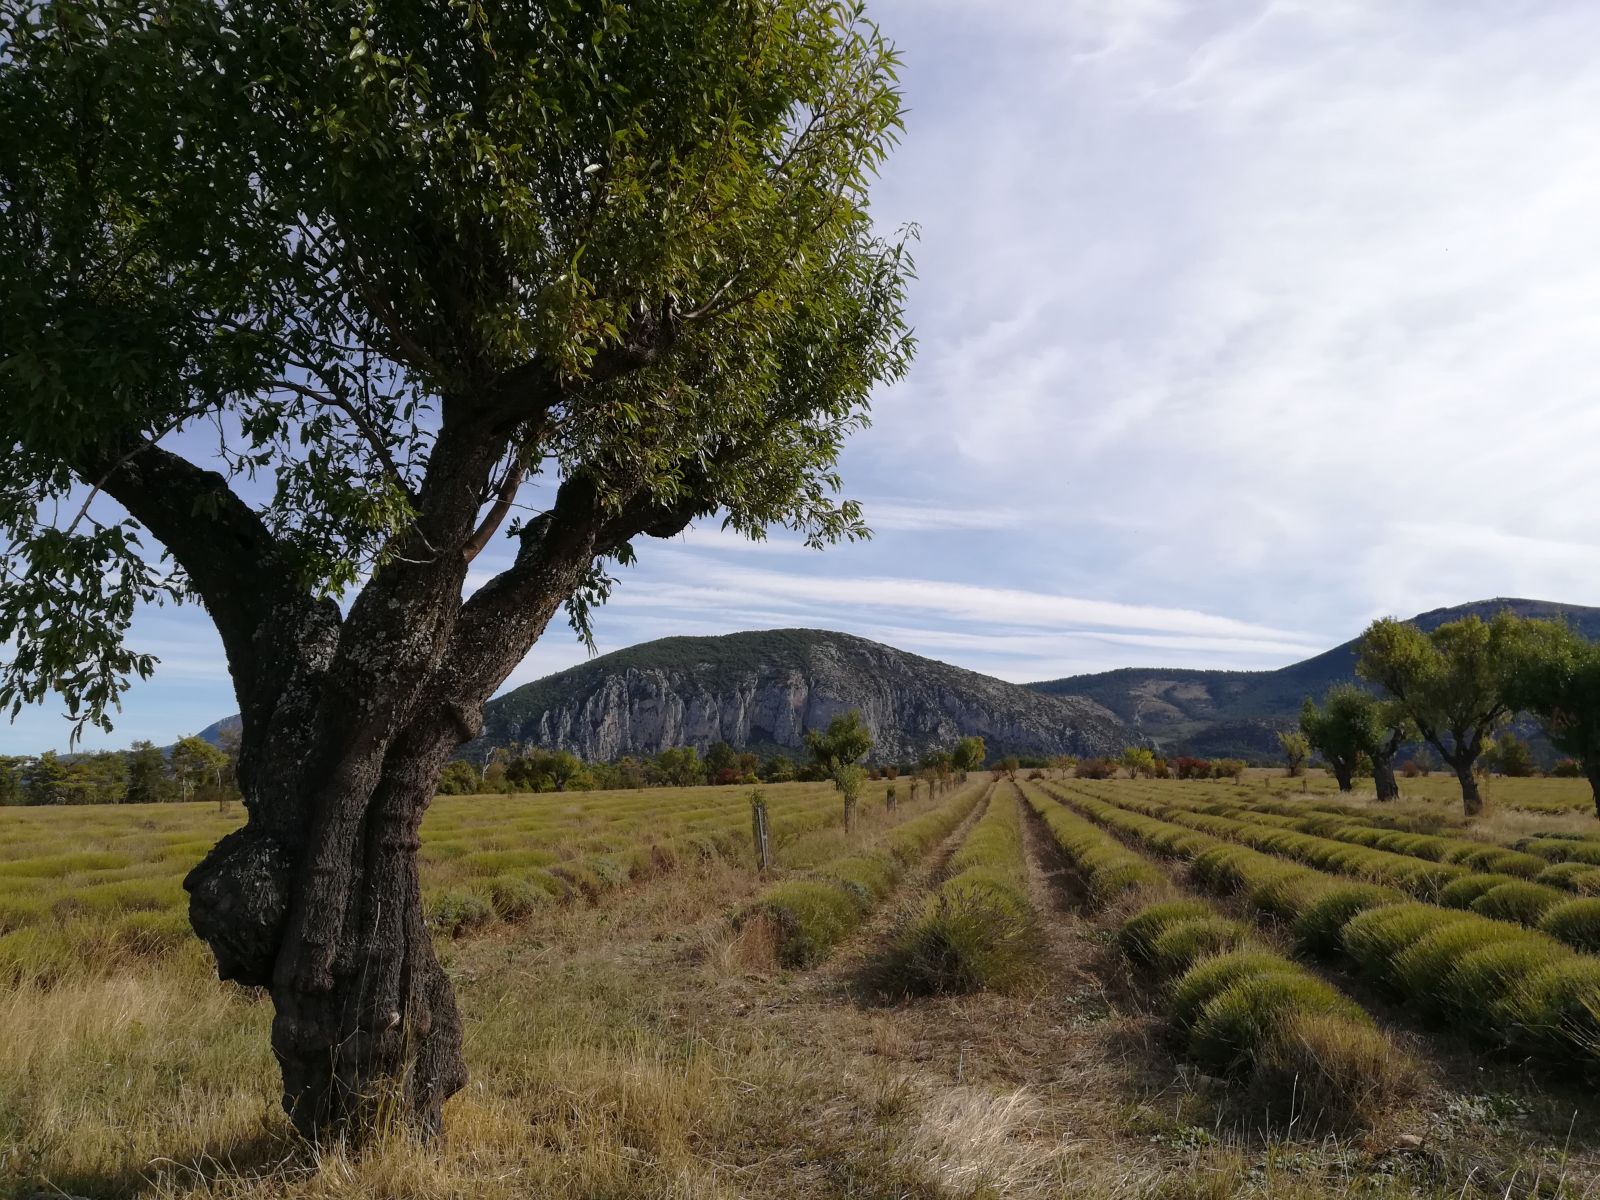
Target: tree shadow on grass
(269, 1153)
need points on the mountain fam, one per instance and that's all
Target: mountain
(764, 691)
(1239, 713)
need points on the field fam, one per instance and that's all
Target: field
(1044, 988)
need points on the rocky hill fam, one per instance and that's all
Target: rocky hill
(1240, 712)
(764, 691)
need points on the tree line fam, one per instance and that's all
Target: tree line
(193, 769)
(1455, 689)
(843, 744)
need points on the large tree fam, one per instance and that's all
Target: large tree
(302, 305)
(1557, 679)
(1452, 683)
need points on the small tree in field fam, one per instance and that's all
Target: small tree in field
(196, 763)
(1355, 731)
(1556, 677)
(836, 753)
(1296, 752)
(849, 778)
(314, 302)
(1139, 760)
(1451, 683)
(968, 755)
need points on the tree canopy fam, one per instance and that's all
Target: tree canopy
(303, 305)
(1452, 683)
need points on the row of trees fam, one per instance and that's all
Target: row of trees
(193, 769)
(1454, 689)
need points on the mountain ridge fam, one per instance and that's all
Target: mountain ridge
(1221, 712)
(766, 689)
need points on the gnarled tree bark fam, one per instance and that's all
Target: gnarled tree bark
(348, 723)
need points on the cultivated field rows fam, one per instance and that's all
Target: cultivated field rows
(1042, 988)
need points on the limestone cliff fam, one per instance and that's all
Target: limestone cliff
(766, 690)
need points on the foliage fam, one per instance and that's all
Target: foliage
(1139, 760)
(846, 740)
(850, 778)
(969, 753)
(1352, 724)
(197, 765)
(1452, 683)
(1095, 768)
(1556, 677)
(677, 766)
(1296, 751)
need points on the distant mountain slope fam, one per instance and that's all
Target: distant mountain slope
(1240, 712)
(766, 690)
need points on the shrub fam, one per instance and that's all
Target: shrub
(1567, 768)
(1240, 1022)
(1320, 924)
(1461, 893)
(1139, 933)
(1522, 901)
(457, 911)
(1228, 768)
(1191, 768)
(810, 917)
(1095, 768)
(1323, 1070)
(1179, 946)
(1191, 993)
(1575, 922)
(1572, 876)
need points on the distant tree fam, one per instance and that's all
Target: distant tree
(749, 765)
(1556, 678)
(629, 773)
(721, 763)
(1296, 752)
(1095, 768)
(1570, 768)
(11, 774)
(679, 766)
(1451, 683)
(1353, 726)
(1186, 766)
(1010, 765)
(46, 780)
(196, 763)
(846, 740)
(1139, 761)
(968, 754)
(1511, 756)
(460, 778)
(149, 781)
(1228, 768)
(779, 769)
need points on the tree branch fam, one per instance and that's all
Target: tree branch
(496, 516)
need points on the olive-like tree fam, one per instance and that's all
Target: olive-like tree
(968, 754)
(1352, 723)
(302, 305)
(1296, 751)
(1452, 683)
(1556, 678)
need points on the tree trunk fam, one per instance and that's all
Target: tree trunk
(1343, 772)
(1471, 797)
(1594, 785)
(371, 1041)
(1383, 779)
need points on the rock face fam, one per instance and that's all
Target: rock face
(764, 691)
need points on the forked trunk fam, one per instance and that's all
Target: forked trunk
(1471, 797)
(1383, 779)
(371, 1041)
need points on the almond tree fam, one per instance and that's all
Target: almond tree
(303, 306)
(1557, 679)
(1452, 683)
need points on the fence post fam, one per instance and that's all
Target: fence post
(758, 830)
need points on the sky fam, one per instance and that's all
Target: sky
(1239, 324)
